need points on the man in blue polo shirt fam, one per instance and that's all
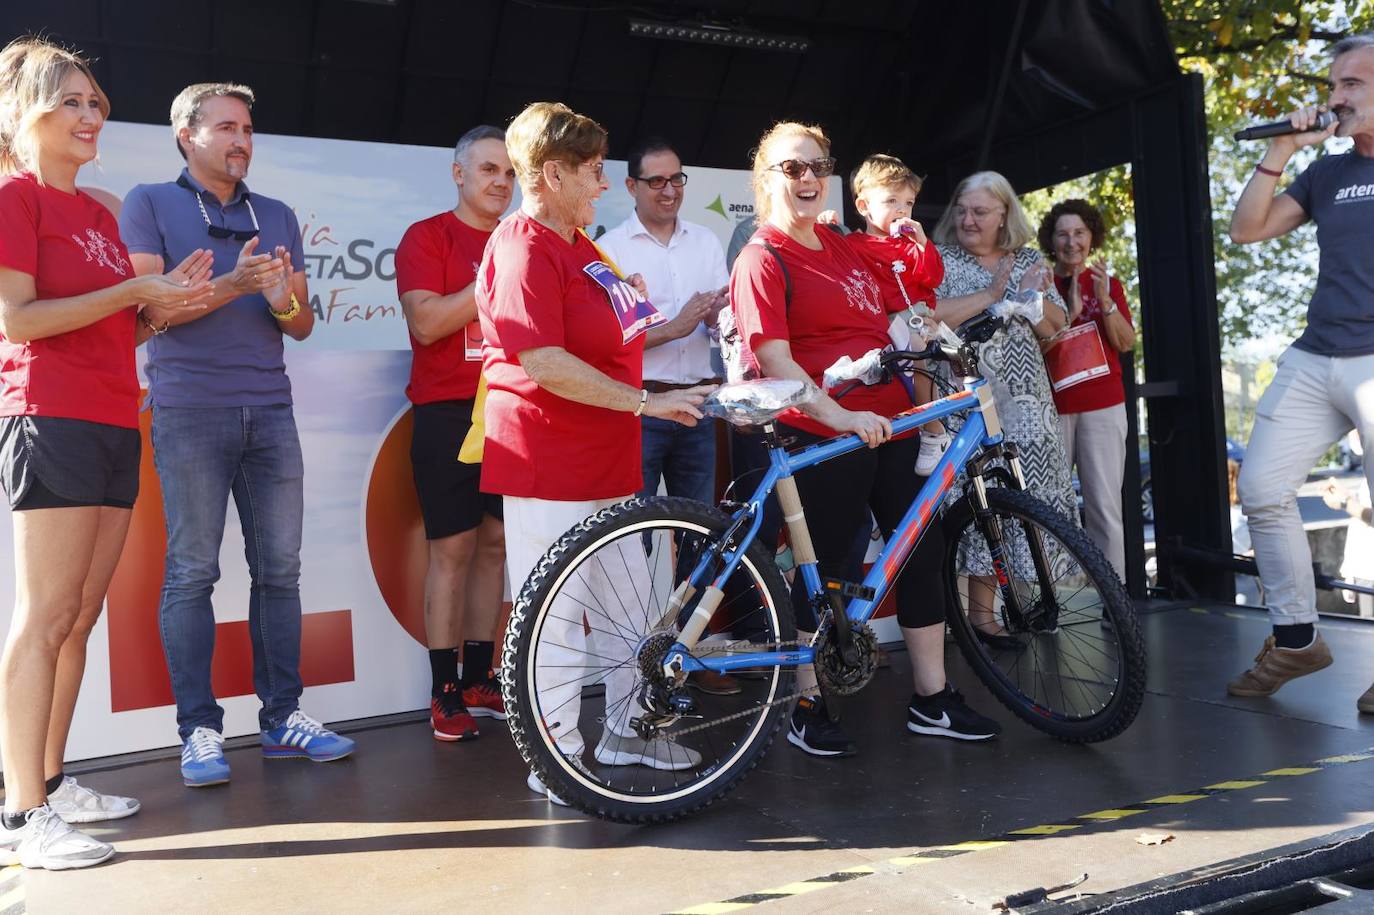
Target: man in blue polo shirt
(223, 425)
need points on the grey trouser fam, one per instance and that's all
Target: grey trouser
(1096, 442)
(1312, 402)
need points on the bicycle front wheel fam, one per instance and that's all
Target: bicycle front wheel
(583, 655)
(1078, 671)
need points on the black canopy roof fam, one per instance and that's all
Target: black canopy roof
(917, 78)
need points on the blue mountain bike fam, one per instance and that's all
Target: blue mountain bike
(614, 620)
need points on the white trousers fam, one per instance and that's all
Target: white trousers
(1096, 442)
(589, 634)
(1312, 402)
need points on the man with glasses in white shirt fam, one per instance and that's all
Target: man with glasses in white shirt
(683, 266)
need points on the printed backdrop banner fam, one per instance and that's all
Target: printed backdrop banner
(364, 552)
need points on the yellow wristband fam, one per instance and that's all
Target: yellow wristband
(290, 313)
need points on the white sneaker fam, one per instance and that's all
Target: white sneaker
(932, 449)
(617, 750)
(537, 786)
(78, 804)
(46, 841)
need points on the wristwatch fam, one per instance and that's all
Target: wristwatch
(1108, 312)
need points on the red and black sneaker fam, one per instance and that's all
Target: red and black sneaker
(484, 699)
(449, 718)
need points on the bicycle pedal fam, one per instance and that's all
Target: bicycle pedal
(850, 589)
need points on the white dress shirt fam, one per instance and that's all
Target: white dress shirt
(691, 262)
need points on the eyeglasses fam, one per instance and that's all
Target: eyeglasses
(657, 181)
(979, 213)
(598, 170)
(823, 167)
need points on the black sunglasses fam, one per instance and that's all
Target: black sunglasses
(220, 231)
(657, 181)
(823, 167)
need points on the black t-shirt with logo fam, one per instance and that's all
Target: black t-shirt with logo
(1337, 192)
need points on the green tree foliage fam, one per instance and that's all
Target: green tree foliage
(1258, 59)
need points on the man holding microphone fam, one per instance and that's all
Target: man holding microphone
(1324, 385)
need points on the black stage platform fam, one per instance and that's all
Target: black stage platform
(911, 824)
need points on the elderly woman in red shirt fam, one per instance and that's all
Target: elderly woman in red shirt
(563, 363)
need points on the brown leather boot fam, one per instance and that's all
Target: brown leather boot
(714, 684)
(1366, 702)
(1275, 666)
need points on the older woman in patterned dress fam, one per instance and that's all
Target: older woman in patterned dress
(982, 238)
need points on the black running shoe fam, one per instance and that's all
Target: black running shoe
(813, 732)
(945, 714)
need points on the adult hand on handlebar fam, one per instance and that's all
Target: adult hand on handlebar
(681, 406)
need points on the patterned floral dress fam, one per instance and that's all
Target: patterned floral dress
(1012, 363)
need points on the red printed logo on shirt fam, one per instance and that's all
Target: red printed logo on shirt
(102, 251)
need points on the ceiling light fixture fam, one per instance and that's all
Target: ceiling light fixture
(723, 36)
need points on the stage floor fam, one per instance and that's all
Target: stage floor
(911, 824)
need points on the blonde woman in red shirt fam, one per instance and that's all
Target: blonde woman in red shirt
(70, 306)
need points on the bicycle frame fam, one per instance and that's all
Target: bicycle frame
(981, 430)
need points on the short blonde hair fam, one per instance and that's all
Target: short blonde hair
(32, 72)
(551, 132)
(1015, 231)
(883, 171)
(758, 178)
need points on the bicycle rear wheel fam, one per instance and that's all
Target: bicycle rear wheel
(1079, 673)
(584, 650)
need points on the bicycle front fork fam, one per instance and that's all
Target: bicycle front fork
(999, 547)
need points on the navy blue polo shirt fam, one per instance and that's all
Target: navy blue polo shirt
(233, 356)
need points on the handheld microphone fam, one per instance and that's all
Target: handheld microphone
(1283, 128)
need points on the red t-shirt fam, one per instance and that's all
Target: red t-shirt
(440, 254)
(1105, 390)
(921, 272)
(70, 245)
(837, 309)
(532, 292)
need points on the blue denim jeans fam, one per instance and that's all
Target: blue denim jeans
(683, 456)
(203, 456)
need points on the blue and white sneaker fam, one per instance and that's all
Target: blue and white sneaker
(303, 736)
(202, 759)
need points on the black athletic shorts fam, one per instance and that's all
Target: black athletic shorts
(450, 500)
(53, 462)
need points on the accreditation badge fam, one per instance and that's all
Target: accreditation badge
(472, 342)
(635, 313)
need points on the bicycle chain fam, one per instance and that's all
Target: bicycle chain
(753, 647)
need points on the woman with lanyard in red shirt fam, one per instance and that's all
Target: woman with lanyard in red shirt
(1092, 411)
(69, 440)
(564, 356)
(836, 309)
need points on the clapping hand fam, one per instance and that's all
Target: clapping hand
(255, 272)
(1102, 284)
(186, 287)
(279, 292)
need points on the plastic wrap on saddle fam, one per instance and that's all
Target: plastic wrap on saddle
(752, 403)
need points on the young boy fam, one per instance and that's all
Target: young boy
(906, 265)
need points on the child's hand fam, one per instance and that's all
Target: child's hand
(828, 218)
(904, 225)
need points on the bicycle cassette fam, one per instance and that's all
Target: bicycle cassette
(838, 677)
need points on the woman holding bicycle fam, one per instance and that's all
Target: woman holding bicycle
(563, 360)
(802, 299)
(983, 238)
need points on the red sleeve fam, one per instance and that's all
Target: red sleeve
(929, 273)
(1118, 294)
(526, 298)
(18, 228)
(758, 296)
(420, 259)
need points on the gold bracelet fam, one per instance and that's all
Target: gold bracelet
(287, 315)
(147, 322)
